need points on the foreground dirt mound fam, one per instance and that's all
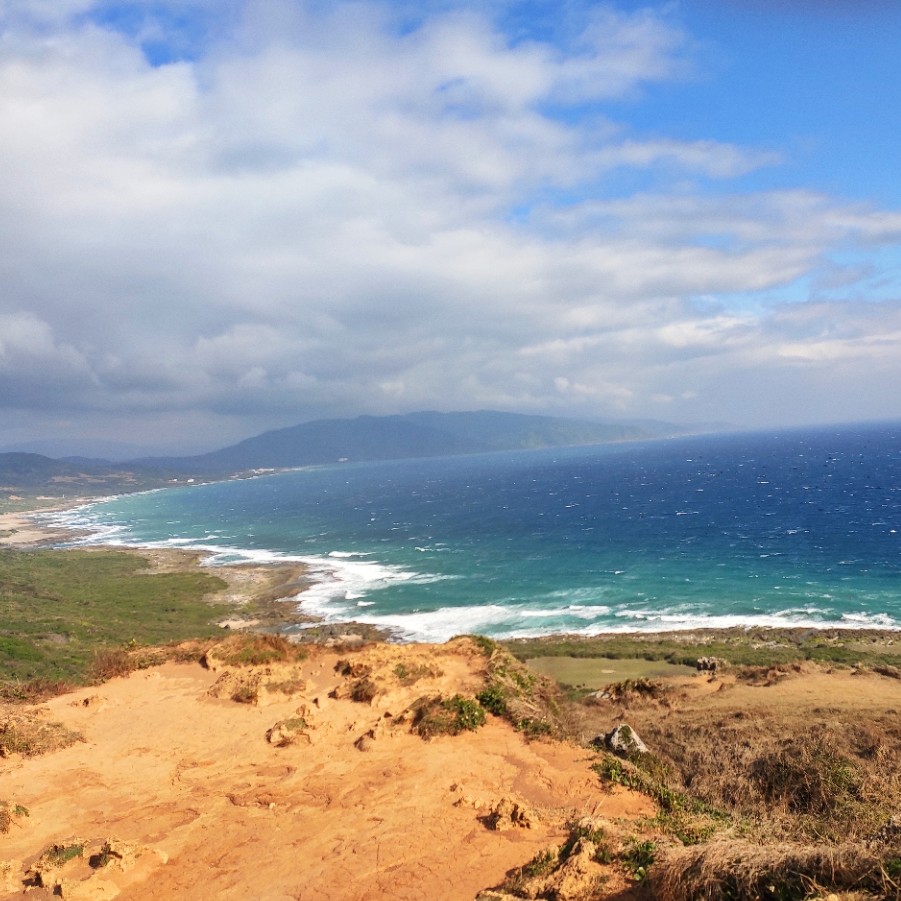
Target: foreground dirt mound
(294, 778)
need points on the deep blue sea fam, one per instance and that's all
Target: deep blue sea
(795, 528)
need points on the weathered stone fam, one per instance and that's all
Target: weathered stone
(625, 741)
(509, 814)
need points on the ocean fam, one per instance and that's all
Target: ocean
(790, 528)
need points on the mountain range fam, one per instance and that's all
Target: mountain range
(425, 434)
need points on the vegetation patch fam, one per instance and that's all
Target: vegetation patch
(410, 675)
(250, 649)
(57, 855)
(446, 716)
(10, 814)
(741, 871)
(745, 647)
(59, 607)
(29, 735)
(632, 690)
(529, 701)
(286, 732)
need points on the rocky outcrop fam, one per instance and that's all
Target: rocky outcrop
(624, 741)
(509, 814)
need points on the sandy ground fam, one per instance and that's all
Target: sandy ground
(358, 808)
(19, 529)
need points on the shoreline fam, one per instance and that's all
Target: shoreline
(270, 590)
(267, 598)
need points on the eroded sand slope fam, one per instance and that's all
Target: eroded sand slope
(204, 806)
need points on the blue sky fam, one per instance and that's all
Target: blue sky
(222, 217)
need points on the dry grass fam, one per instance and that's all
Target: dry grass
(741, 871)
(10, 814)
(28, 735)
(833, 781)
(34, 691)
(108, 663)
(250, 649)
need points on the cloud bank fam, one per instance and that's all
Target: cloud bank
(218, 219)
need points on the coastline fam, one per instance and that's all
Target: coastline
(265, 596)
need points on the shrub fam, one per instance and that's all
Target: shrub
(256, 650)
(56, 855)
(108, 663)
(30, 736)
(446, 716)
(638, 856)
(493, 699)
(363, 691)
(9, 813)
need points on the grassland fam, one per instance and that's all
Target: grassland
(740, 647)
(58, 609)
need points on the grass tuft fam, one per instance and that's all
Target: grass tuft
(446, 716)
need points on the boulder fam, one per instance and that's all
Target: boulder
(624, 741)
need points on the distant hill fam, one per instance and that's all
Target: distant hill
(30, 474)
(426, 434)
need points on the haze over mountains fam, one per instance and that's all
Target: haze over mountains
(425, 434)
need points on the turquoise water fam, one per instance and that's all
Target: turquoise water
(795, 528)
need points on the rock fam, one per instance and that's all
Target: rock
(709, 664)
(288, 732)
(624, 741)
(114, 853)
(576, 878)
(509, 814)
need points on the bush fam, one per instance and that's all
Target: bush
(447, 716)
(9, 813)
(493, 700)
(256, 650)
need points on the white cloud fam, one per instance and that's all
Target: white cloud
(322, 215)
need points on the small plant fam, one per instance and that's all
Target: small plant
(363, 691)
(637, 857)
(533, 728)
(256, 650)
(9, 814)
(102, 858)
(595, 835)
(286, 732)
(447, 716)
(246, 692)
(410, 675)
(58, 855)
(493, 699)
(541, 864)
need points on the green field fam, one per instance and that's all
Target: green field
(58, 608)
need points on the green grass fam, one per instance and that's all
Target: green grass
(743, 647)
(59, 608)
(598, 672)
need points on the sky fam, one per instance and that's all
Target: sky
(223, 216)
